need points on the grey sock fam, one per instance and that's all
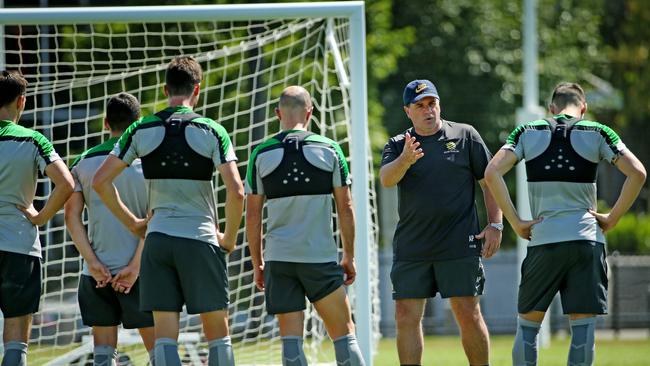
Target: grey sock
(292, 353)
(347, 351)
(524, 351)
(221, 352)
(15, 354)
(582, 342)
(104, 355)
(166, 352)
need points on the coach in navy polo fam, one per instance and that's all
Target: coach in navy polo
(437, 245)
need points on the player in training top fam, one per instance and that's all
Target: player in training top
(437, 245)
(23, 153)
(108, 287)
(566, 252)
(183, 261)
(297, 172)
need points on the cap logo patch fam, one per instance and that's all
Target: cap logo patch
(420, 88)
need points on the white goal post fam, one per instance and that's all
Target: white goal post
(49, 80)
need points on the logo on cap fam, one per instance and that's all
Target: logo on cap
(420, 88)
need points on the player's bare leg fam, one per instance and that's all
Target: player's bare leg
(291, 325)
(408, 316)
(215, 327)
(334, 309)
(15, 336)
(166, 332)
(473, 331)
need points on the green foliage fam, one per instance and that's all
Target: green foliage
(631, 235)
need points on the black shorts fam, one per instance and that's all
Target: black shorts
(20, 284)
(176, 271)
(287, 284)
(105, 307)
(576, 269)
(451, 278)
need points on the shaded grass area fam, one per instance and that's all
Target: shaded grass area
(438, 350)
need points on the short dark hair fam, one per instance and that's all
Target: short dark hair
(568, 93)
(122, 110)
(12, 85)
(183, 72)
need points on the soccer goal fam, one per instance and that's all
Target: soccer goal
(75, 58)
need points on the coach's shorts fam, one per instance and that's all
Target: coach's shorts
(451, 278)
(105, 307)
(20, 284)
(176, 271)
(577, 269)
(287, 284)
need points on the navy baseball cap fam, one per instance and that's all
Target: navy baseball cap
(418, 89)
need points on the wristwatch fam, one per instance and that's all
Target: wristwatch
(497, 225)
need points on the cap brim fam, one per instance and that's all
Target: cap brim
(421, 96)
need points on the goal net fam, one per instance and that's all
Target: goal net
(74, 59)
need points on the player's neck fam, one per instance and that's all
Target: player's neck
(8, 115)
(181, 101)
(116, 133)
(293, 126)
(570, 111)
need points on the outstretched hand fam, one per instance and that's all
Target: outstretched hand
(412, 151)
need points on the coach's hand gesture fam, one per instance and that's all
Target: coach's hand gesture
(412, 151)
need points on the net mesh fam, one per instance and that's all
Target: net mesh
(73, 69)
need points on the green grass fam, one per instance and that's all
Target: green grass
(438, 350)
(448, 351)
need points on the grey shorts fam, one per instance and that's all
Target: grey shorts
(450, 278)
(576, 269)
(176, 271)
(20, 284)
(287, 284)
(105, 307)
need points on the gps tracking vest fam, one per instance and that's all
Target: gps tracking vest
(174, 158)
(560, 162)
(295, 175)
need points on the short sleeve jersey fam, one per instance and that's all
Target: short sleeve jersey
(561, 165)
(297, 172)
(111, 241)
(437, 208)
(23, 153)
(178, 161)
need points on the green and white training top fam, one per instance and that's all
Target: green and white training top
(562, 155)
(111, 241)
(179, 151)
(23, 153)
(297, 172)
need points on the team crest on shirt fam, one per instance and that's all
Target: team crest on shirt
(450, 147)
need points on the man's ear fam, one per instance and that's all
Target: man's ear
(551, 108)
(197, 89)
(166, 90)
(278, 113)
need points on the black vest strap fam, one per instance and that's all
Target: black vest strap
(174, 158)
